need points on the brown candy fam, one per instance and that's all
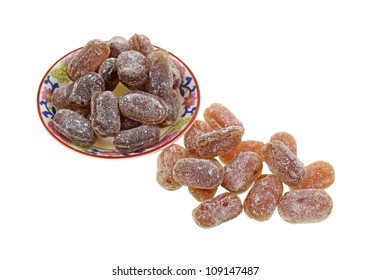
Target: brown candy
(105, 114)
(60, 96)
(218, 116)
(140, 43)
(263, 197)
(318, 175)
(171, 99)
(165, 163)
(117, 45)
(109, 73)
(197, 173)
(244, 146)
(83, 89)
(283, 163)
(241, 172)
(160, 75)
(305, 206)
(287, 139)
(143, 107)
(141, 137)
(202, 194)
(217, 210)
(127, 123)
(193, 134)
(75, 127)
(215, 143)
(177, 76)
(89, 58)
(131, 68)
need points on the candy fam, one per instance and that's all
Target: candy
(287, 139)
(140, 43)
(105, 114)
(165, 163)
(117, 45)
(160, 75)
(60, 96)
(263, 197)
(218, 116)
(127, 123)
(305, 206)
(109, 73)
(89, 58)
(131, 68)
(241, 172)
(217, 210)
(215, 143)
(171, 99)
(140, 137)
(143, 107)
(75, 127)
(318, 175)
(283, 163)
(202, 194)
(177, 76)
(193, 134)
(197, 173)
(244, 146)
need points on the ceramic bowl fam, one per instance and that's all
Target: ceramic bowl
(56, 76)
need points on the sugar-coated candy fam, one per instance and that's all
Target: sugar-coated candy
(287, 139)
(131, 68)
(197, 173)
(241, 172)
(165, 163)
(244, 146)
(127, 123)
(140, 43)
(305, 206)
(318, 175)
(283, 163)
(217, 142)
(75, 127)
(109, 73)
(89, 58)
(143, 107)
(105, 114)
(171, 99)
(263, 197)
(193, 134)
(218, 210)
(83, 89)
(177, 75)
(117, 45)
(160, 75)
(218, 116)
(60, 96)
(140, 137)
(202, 194)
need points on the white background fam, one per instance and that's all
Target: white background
(299, 66)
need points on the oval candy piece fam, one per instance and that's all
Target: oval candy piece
(131, 68)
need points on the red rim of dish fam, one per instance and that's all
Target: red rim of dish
(122, 156)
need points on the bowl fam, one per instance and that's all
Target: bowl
(56, 76)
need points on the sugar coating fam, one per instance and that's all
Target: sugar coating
(202, 194)
(131, 68)
(140, 137)
(108, 72)
(172, 101)
(89, 58)
(283, 163)
(263, 197)
(287, 139)
(217, 210)
(318, 175)
(117, 45)
(218, 116)
(60, 96)
(193, 134)
(143, 107)
(75, 127)
(160, 75)
(241, 172)
(305, 206)
(197, 173)
(244, 146)
(83, 89)
(140, 43)
(215, 143)
(105, 114)
(127, 123)
(165, 163)
(177, 76)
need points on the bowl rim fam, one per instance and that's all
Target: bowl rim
(156, 149)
